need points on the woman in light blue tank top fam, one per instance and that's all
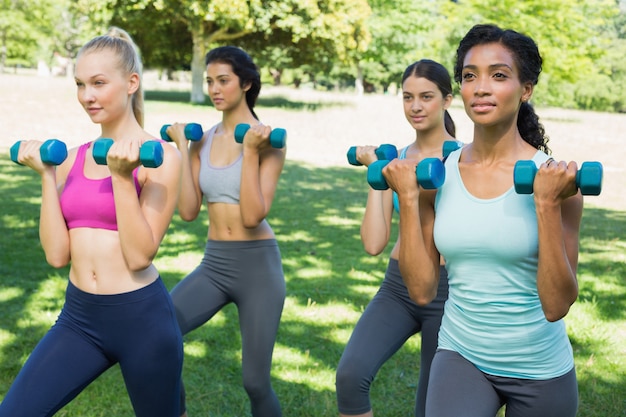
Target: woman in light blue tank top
(511, 258)
(242, 262)
(391, 317)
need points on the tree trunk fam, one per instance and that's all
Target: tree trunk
(197, 65)
(358, 82)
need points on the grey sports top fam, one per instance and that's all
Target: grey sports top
(219, 184)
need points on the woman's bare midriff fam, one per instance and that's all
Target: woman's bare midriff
(101, 269)
(225, 224)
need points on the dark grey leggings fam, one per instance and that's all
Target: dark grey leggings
(458, 388)
(250, 275)
(389, 320)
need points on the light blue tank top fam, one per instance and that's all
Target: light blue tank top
(219, 184)
(493, 315)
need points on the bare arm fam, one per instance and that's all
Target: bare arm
(260, 172)
(419, 258)
(559, 212)
(53, 232)
(142, 222)
(376, 223)
(190, 199)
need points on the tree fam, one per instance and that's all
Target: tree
(18, 32)
(302, 29)
(568, 32)
(403, 31)
(310, 38)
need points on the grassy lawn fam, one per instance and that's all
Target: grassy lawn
(330, 279)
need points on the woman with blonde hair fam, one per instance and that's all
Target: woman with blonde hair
(108, 220)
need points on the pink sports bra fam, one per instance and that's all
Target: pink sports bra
(87, 202)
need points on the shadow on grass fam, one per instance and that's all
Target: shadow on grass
(272, 101)
(602, 267)
(316, 217)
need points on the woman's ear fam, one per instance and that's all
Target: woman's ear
(447, 101)
(133, 83)
(528, 92)
(247, 85)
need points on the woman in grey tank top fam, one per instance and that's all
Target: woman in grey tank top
(242, 262)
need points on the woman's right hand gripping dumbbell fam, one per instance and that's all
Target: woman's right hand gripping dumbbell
(38, 155)
(365, 155)
(182, 133)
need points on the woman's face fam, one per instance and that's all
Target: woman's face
(103, 89)
(424, 104)
(490, 85)
(223, 86)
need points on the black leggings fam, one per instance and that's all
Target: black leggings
(458, 388)
(389, 320)
(137, 329)
(250, 275)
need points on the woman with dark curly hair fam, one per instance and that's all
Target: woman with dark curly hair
(511, 258)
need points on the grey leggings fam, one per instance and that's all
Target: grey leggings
(458, 388)
(389, 320)
(250, 275)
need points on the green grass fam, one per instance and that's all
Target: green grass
(330, 279)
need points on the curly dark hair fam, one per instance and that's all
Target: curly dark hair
(528, 60)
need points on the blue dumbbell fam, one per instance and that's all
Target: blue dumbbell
(277, 136)
(150, 152)
(450, 146)
(52, 152)
(193, 132)
(430, 173)
(385, 152)
(588, 177)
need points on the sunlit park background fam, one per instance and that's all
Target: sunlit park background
(331, 73)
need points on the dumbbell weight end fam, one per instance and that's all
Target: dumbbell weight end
(15, 150)
(375, 177)
(151, 154)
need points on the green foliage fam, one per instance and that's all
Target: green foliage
(573, 36)
(403, 31)
(333, 43)
(161, 35)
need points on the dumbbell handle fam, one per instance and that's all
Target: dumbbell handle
(51, 151)
(277, 135)
(193, 132)
(150, 152)
(430, 173)
(588, 177)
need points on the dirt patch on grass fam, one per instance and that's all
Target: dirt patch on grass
(321, 126)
